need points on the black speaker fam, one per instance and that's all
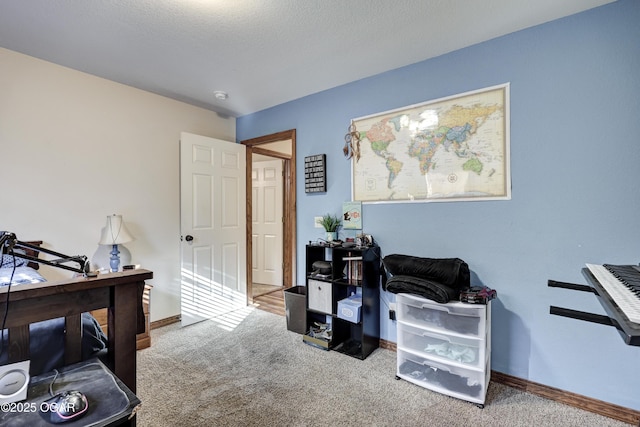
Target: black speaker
(321, 267)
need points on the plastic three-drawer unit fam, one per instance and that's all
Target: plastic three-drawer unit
(445, 347)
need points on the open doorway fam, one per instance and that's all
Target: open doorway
(281, 145)
(267, 233)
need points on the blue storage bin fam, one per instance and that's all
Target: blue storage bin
(350, 308)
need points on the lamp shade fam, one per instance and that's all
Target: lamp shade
(115, 232)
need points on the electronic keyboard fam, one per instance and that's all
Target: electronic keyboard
(622, 284)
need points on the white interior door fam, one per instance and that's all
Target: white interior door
(267, 216)
(213, 227)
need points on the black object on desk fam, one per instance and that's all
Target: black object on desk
(110, 401)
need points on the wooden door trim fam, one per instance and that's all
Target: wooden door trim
(289, 201)
(270, 153)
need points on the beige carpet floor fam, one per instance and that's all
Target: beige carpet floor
(247, 369)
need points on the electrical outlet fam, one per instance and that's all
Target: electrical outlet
(317, 222)
(392, 311)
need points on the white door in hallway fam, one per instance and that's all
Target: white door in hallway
(212, 227)
(267, 227)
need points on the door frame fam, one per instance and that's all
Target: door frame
(289, 200)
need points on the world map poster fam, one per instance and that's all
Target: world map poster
(449, 149)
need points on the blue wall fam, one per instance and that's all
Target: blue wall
(575, 166)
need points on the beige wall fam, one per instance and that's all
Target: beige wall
(75, 148)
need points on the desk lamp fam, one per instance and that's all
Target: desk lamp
(115, 233)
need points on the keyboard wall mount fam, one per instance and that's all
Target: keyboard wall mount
(610, 300)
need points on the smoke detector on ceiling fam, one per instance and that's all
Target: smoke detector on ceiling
(221, 95)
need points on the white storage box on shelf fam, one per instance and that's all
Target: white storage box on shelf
(445, 347)
(319, 296)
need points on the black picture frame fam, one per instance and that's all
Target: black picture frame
(315, 173)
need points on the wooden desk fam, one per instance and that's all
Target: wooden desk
(121, 293)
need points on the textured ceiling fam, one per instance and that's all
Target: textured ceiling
(262, 52)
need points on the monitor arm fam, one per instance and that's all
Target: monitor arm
(9, 242)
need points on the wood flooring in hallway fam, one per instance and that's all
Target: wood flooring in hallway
(269, 300)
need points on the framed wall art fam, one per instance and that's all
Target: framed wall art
(449, 149)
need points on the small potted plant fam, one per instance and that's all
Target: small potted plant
(331, 223)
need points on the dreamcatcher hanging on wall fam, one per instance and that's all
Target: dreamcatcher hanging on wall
(352, 143)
